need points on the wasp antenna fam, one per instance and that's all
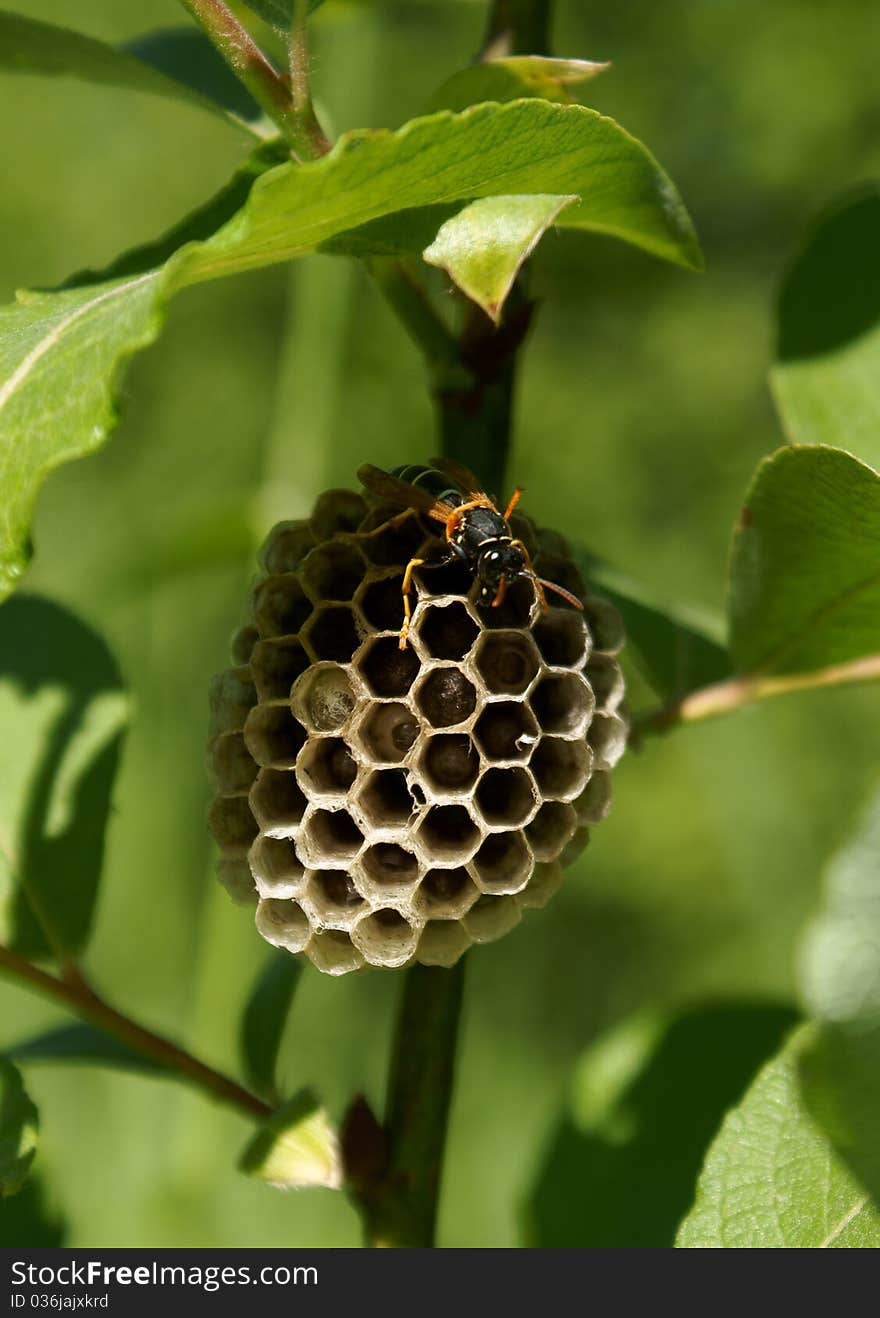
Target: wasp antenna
(558, 590)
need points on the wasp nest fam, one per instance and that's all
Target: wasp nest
(383, 805)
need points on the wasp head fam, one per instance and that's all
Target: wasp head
(499, 564)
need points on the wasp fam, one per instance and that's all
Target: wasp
(475, 531)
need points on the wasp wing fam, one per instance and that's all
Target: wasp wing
(463, 477)
(386, 486)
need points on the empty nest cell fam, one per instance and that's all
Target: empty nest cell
(285, 547)
(562, 638)
(280, 606)
(333, 571)
(333, 898)
(446, 894)
(390, 866)
(337, 511)
(381, 603)
(447, 631)
(385, 799)
(273, 736)
(232, 763)
(277, 800)
(388, 670)
(330, 838)
(561, 767)
(326, 767)
(448, 834)
(332, 633)
(508, 662)
(276, 665)
(232, 823)
(276, 866)
(551, 829)
(563, 703)
(324, 698)
(503, 863)
(385, 938)
(506, 731)
(283, 923)
(506, 797)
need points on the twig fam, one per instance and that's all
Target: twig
(81, 998)
(725, 697)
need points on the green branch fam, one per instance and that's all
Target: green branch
(79, 997)
(726, 697)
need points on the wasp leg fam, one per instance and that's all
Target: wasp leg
(397, 520)
(405, 588)
(530, 572)
(514, 500)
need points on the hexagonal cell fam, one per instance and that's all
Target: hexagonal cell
(277, 800)
(506, 797)
(336, 511)
(332, 633)
(507, 662)
(546, 880)
(333, 571)
(561, 572)
(273, 736)
(594, 801)
(331, 898)
(385, 938)
(326, 767)
(450, 764)
(387, 867)
(385, 800)
(491, 918)
(381, 603)
(563, 703)
(329, 838)
(562, 638)
(243, 643)
(387, 544)
(561, 767)
(332, 952)
(551, 829)
(387, 732)
(388, 670)
(237, 879)
(283, 923)
(276, 866)
(232, 763)
(280, 606)
(276, 665)
(515, 610)
(285, 547)
(445, 894)
(605, 677)
(605, 623)
(447, 631)
(448, 835)
(446, 697)
(232, 823)
(231, 697)
(506, 731)
(323, 698)
(607, 736)
(503, 863)
(442, 943)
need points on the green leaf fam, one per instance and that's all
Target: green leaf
(19, 1125)
(83, 1045)
(827, 375)
(296, 1147)
(62, 710)
(648, 1097)
(264, 1019)
(772, 1180)
(514, 78)
(805, 570)
(483, 247)
(674, 647)
(840, 1073)
(33, 47)
(61, 353)
(27, 1222)
(185, 55)
(278, 13)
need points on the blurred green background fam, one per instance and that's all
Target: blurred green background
(643, 409)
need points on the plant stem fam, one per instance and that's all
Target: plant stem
(301, 81)
(725, 697)
(269, 88)
(400, 1209)
(81, 998)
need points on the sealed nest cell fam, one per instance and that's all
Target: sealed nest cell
(382, 806)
